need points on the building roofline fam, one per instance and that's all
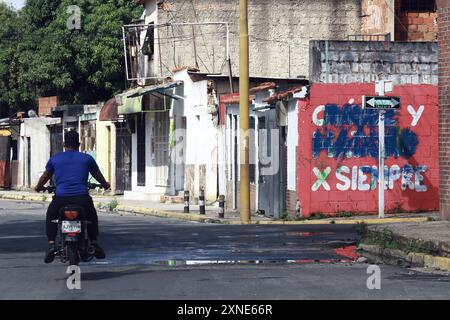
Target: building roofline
(252, 78)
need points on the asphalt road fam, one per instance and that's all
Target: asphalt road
(154, 258)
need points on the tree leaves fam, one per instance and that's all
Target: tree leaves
(40, 56)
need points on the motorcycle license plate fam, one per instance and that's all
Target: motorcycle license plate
(71, 226)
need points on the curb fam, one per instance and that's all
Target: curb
(167, 214)
(399, 257)
(25, 197)
(386, 238)
(204, 219)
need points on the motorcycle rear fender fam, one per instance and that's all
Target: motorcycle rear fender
(68, 238)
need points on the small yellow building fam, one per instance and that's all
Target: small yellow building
(106, 142)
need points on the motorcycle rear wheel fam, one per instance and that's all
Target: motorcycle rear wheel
(72, 253)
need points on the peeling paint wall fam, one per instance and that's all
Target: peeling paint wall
(337, 159)
(201, 144)
(377, 18)
(369, 61)
(279, 33)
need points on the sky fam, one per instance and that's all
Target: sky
(18, 4)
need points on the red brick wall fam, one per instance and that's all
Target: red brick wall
(46, 104)
(414, 26)
(348, 187)
(444, 106)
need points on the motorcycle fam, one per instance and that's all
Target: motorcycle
(72, 240)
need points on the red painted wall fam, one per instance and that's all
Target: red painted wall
(346, 194)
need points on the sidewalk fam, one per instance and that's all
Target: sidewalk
(425, 245)
(175, 211)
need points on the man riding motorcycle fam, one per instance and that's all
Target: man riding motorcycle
(71, 169)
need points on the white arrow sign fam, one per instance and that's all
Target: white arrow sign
(381, 102)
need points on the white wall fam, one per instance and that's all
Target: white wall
(280, 31)
(202, 137)
(36, 129)
(149, 161)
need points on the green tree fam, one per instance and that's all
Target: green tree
(9, 38)
(80, 66)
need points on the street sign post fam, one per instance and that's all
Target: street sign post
(381, 155)
(381, 103)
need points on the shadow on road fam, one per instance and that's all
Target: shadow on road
(104, 275)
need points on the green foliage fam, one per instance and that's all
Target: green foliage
(345, 214)
(46, 58)
(317, 216)
(361, 229)
(9, 33)
(285, 216)
(383, 238)
(113, 204)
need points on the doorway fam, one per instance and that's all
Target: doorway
(123, 156)
(161, 149)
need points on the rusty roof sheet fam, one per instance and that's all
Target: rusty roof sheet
(109, 111)
(188, 68)
(282, 95)
(263, 87)
(236, 99)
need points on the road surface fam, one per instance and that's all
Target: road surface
(154, 258)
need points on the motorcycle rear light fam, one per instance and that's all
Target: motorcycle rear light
(71, 215)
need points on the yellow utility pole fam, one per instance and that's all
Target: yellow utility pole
(244, 113)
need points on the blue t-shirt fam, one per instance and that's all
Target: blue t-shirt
(71, 169)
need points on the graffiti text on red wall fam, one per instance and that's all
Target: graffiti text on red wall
(350, 131)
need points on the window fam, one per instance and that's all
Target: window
(418, 5)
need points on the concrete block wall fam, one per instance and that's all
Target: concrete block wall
(444, 106)
(279, 33)
(366, 62)
(337, 159)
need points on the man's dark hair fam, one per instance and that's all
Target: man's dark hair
(72, 140)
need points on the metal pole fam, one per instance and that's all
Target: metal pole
(186, 201)
(221, 206)
(201, 200)
(381, 153)
(125, 51)
(381, 164)
(244, 113)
